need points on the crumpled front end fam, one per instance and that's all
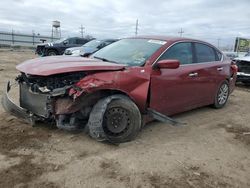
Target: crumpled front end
(11, 107)
(38, 95)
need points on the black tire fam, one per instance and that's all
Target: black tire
(246, 82)
(52, 53)
(222, 95)
(121, 120)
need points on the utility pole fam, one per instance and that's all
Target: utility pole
(136, 27)
(12, 36)
(33, 37)
(218, 43)
(82, 30)
(181, 32)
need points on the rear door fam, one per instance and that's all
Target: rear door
(212, 71)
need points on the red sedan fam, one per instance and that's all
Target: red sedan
(111, 93)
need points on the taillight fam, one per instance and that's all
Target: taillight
(234, 67)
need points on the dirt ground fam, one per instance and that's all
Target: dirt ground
(212, 150)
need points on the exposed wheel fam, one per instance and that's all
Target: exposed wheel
(52, 53)
(121, 120)
(222, 95)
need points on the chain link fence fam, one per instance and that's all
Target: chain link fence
(18, 39)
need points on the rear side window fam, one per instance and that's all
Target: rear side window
(205, 53)
(81, 41)
(72, 41)
(181, 51)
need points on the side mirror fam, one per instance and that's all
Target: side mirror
(84, 54)
(65, 42)
(168, 64)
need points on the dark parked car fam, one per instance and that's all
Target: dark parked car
(58, 47)
(243, 74)
(89, 48)
(120, 87)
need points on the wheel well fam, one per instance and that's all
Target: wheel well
(105, 93)
(52, 49)
(87, 101)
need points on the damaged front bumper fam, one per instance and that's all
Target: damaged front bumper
(41, 107)
(11, 107)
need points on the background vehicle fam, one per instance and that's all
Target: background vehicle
(58, 47)
(231, 55)
(247, 54)
(89, 47)
(123, 83)
(243, 74)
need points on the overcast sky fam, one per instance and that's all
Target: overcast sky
(209, 20)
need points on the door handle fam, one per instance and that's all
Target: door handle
(219, 68)
(193, 74)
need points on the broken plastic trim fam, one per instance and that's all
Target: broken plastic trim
(11, 107)
(69, 125)
(163, 118)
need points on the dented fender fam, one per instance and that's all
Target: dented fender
(133, 81)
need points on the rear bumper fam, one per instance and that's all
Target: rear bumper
(11, 107)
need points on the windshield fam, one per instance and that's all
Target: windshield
(93, 44)
(60, 40)
(132, 52)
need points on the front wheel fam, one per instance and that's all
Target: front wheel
(52, 53)
(121, 121)
(222, 95)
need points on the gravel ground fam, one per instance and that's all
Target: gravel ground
(212, 150)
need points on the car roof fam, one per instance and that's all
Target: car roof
(108, 39)
(167, 38)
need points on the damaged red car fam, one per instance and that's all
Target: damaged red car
(115, 91)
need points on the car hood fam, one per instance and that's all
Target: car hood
(74, 48)
(83, 49)
(46, 66)
(245, 58)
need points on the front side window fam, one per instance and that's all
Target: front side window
(181, 51)
(204, 53)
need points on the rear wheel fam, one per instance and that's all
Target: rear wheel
(121, 121)
(52, 53)
(222, 95)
